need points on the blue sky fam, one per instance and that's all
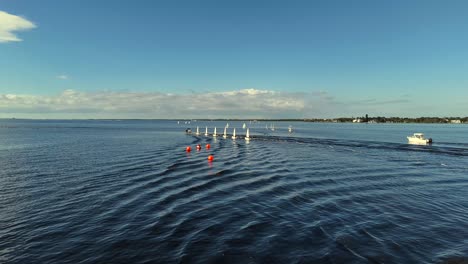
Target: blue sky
(232, 59)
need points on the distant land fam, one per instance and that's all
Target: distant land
(363, 119)
(366, 119)
(380, 119)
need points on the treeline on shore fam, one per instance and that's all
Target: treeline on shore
(364, 119)
(381, 119)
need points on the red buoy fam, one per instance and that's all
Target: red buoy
(208, 146)
(188, 149)
(198, 147)
(210, 158)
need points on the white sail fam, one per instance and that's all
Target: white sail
(198, 131)
(206, 131)
(227, 125)
(225, 132)
(243, 126)
(214, 133)
(234, 134)
(247, 135)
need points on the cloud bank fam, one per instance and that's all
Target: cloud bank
(246, 103)
(10, 23)
(238, 104)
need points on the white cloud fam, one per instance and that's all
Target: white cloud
(247, 103)
(62, 77)
(250, 91)
(10, 23)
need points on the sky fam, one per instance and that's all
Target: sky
(233, 59)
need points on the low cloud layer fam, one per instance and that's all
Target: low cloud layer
(9, 24)
(246, 103)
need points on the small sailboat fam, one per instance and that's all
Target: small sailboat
(244, 126)
(198, 131)
(227, 125)
(234, 134)
(290, 129)
(206, 131)
(214, 132)
(247, 135)
(225, 134)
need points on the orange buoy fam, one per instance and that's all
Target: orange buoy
(210, 158)
(188, 149)
(208, 146)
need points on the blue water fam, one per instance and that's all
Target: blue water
(127, 192)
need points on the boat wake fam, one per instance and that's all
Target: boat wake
(455, 149)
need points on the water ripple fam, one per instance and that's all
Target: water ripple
(275, 199)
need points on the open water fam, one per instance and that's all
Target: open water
(127, 192)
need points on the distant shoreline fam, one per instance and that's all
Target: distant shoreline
(398, 120)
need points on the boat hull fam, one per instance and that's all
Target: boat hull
(419, 141)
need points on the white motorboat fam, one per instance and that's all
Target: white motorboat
(418, 138)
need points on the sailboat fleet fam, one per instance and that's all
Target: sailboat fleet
(247, 137)
(244, 126)
(225, 134)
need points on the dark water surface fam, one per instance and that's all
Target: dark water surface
(127, 192)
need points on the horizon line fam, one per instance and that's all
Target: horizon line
(231, 119)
